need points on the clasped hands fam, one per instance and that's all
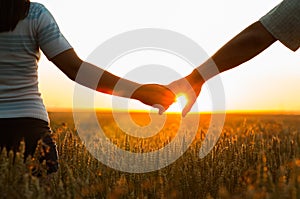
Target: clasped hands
(162, 96)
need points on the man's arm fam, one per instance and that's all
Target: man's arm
(243, 47)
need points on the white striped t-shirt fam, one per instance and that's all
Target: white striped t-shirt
(19, 55)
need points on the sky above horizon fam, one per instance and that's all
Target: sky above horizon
(267, 82)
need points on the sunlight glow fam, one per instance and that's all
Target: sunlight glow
(180, 102)
(267, 83)
(182, 99)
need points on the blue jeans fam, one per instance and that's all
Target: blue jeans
(31, 130)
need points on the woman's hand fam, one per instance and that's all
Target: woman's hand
(157, 96)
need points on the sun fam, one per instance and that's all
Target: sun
(178, 105)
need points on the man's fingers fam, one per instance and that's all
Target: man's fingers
(188, 107)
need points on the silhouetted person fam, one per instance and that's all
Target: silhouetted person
(25, 28)
(281, 23)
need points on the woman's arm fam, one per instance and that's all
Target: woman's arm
(151, 94)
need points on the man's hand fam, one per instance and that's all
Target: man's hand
(155, 95)
(190, 86)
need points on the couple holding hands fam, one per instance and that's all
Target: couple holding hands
(26, 27)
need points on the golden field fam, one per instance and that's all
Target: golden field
(256, 156)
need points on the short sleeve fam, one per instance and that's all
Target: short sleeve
(283, 22)
(49, 38)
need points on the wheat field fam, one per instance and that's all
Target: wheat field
(256, 156)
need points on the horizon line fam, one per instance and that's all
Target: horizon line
(245, 111)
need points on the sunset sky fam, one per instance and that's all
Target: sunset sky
(269, 82)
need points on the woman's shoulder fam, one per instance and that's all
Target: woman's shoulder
(36, 9)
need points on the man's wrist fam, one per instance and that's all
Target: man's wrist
(195, 78)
